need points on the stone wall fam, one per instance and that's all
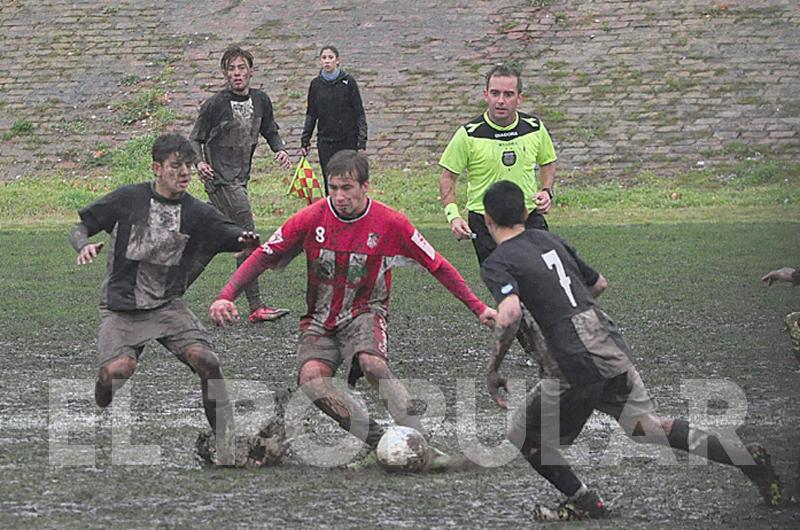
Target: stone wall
(622, 85)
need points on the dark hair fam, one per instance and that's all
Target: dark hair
(331, 48)
(232, 52)
(505, 70)
(170, 143)
(349, 163)
(505, 203)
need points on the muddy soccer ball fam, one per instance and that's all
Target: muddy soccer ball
(402, 449)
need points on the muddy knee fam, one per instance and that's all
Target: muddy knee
(373, 367)
(313, 373)
(111, 377)
(203, 361)
(120, 369)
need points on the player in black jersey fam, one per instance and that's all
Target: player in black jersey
(586, 363)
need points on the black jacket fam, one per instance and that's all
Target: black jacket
(335, 107)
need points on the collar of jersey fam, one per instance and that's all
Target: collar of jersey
(344, 219)
(497, 127)
(161, 198)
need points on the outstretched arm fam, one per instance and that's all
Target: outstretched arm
(79, 239)
(223, 310)
(786, 274)
(509, 314)
(448, 276)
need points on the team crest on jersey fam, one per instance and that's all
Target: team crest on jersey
(509, 158)
(423, 244)
(372, 240)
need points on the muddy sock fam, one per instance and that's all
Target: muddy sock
(709, 445)
(364, 428)
(550, 464)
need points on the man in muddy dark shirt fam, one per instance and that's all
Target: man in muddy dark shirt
(225, 136)
(156, 230)
(586, 363)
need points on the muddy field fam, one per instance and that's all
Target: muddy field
(708, 338)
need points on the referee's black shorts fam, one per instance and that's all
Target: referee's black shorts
(484, 244)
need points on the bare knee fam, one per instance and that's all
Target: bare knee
(203, 361)
(120, 369)
(374, 367)
(313, 373)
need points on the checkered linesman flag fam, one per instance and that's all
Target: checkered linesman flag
(305, 184)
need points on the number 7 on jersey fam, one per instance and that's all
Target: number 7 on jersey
(552, 260)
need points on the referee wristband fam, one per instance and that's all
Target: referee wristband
(451, 212)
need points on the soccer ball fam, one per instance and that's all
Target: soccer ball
(402, 449)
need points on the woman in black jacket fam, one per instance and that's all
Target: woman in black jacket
(336, 109)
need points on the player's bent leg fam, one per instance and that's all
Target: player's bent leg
(678, 433)
(215, 393)
(391, 390)
(581, 502)
(314, 379)
(111, 377)
(216, 402)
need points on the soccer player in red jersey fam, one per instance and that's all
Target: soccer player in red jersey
(351, 242)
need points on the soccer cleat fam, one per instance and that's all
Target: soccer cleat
(793, 327)
(369, 460)
(264, 314)
(587, 506)
(438, 460)
(763, 475)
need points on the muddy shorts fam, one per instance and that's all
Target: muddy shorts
(366, 333)
(554, 410)
(233, 201)
(127, 332)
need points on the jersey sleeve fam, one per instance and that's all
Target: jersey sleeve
(284, 244)
(546, 153)
(358, 110)
(269, 129)
(412, 244)
(456, 155)
(498, 279)
(202, 129)
(589, 275)
(103, 214)
(220, 234)
(416, 247)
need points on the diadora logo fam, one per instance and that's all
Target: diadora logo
(506, 134)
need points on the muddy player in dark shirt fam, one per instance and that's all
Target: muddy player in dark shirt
(225, 136)
(586, 363)
(157, 229)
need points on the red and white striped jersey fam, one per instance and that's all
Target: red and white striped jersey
(349, 261)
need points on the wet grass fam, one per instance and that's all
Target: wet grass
(754, 186)
(687, 296)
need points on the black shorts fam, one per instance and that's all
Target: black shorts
(484, 244)
(556, 412)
